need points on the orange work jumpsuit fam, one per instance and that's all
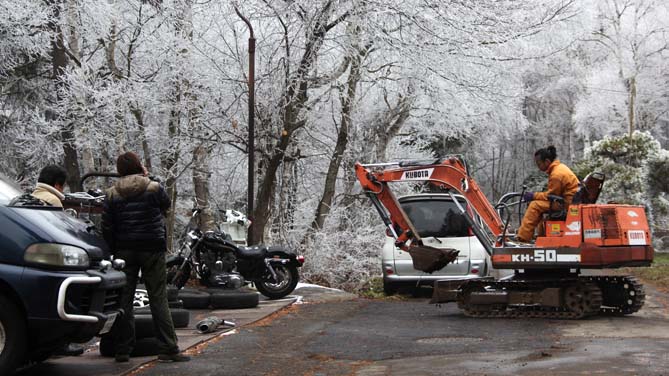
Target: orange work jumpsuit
(561, 182)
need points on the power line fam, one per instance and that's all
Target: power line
(609, 90)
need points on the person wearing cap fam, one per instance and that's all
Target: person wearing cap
(133, 225)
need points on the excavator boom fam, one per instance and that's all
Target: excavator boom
(449, 172)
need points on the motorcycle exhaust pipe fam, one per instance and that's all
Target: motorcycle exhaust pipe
(211, 323)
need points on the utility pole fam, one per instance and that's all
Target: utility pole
(251, 140)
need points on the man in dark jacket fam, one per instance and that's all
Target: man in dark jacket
(134, 227)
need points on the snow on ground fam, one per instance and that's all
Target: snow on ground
(300, 284)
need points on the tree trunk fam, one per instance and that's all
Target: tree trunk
(390, 125)
(170, 157)
(139, 118)
(632, 89)
(87, 155)
(59, 63)
(201, 186)
(110, 55)
(266, 187)
(385, 128)
(492, 174)
(71, 159)
(287, 198)
(572, 154)
(169, 160)
(292, 106)
(347, 101)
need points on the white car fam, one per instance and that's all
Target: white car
(440, 224)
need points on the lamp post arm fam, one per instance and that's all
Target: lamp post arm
(248, 23)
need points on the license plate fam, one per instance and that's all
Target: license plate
(110, 322)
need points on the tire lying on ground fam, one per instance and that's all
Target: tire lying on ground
(176, 304)
(172, 293)
(144, 321)
(233, 299)
(146, 346)
(194, 299)
(141, 297)
(143, 346)
(107, 345)
(180, 316)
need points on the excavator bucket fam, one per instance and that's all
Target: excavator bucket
(429, 259)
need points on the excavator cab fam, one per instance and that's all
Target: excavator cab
(588, 193)
(589, 235)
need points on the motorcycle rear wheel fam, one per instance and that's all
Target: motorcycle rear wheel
(287, 276)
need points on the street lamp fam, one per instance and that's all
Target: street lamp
(251, 141)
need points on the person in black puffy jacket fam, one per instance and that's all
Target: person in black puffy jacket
(133, 225)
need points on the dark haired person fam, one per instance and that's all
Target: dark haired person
(561, 182)
(49, 188)
(50, 185)
(134, 227)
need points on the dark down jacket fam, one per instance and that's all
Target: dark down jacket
(133, 216)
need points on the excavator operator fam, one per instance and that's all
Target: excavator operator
(561, 182)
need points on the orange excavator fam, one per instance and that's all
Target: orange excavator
(547, 280)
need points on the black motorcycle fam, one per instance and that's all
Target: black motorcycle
(218, 262)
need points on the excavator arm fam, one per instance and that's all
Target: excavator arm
(450, 172)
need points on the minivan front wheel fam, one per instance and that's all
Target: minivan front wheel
(12, 337)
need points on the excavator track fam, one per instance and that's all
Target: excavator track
(623, 295)
(581, 297)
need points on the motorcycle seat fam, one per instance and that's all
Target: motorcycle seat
(257, 251)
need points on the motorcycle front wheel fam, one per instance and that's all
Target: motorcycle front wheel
(287, 278)
(177, 275)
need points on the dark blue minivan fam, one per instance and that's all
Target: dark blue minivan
(57, 285)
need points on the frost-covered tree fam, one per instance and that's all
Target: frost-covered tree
(627, 84)
(657, 182)
(24, 72)
(337, 81)
(635, 168)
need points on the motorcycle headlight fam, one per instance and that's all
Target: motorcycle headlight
(52, 254)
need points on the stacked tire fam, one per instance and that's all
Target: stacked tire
(218, 298)
(146, 342)
(180, 301)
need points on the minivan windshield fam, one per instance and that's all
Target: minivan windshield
(438, 218)
(7, 191)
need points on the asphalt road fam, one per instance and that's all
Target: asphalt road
(412, 337)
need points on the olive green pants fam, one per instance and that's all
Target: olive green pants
(152, 265)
